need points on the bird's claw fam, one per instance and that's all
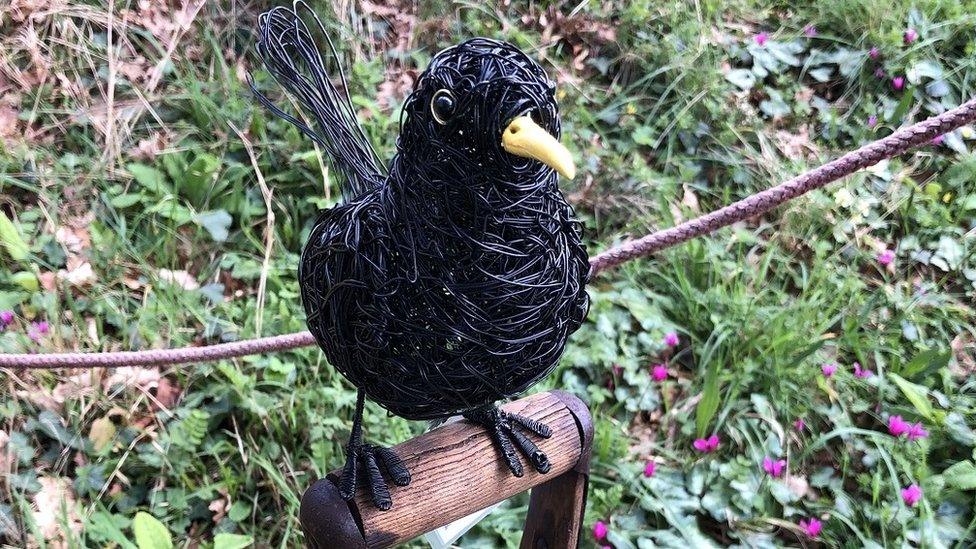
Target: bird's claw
(506, 430)
(368, 461)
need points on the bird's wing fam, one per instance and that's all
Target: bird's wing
(288, 49)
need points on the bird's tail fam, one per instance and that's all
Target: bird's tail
(290, 54)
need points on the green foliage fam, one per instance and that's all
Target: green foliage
(671, 111)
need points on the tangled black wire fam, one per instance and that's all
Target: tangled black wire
(455, 280)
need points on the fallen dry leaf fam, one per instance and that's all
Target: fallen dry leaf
(8, 122)
(55, 503)
(167, 393)
(180, 278)
(964, 352)
(102, 433)
(6, 456)
(133, 376)
(79, 276)
(219, 508)
(150, 147)
(76, 386)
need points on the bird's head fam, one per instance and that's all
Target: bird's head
(483, 110)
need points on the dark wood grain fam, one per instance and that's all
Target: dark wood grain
(456, 470)
(556, 512)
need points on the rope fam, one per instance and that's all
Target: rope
(872, 153)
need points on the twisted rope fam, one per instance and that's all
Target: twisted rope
(872, 153)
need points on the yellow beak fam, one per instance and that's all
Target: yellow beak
(525, 138)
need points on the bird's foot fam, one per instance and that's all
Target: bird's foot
(366, 461)
(506, 430)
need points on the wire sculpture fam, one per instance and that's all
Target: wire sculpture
(454, 280)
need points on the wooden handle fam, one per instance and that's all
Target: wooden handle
(455, 470)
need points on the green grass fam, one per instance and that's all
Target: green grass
(136, 152)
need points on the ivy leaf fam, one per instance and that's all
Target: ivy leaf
(961, 475)
(774, 107)
(150, 178)
(50, 424)
(821, 74)
(150, 533)
(917, 395)
(12, 241)
(216, 222)
(937, 88)
(224, 540)
(742, 78)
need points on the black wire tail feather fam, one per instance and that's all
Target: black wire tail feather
(289, 52)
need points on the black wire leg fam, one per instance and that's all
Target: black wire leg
(507, 430)
(368, 462)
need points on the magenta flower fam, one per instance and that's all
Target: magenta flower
(799, 424)
(811, 527)
(828, 369)
(874, 53)
(872, 121)
(671, 339)
(862, 372)
(809, 31)
(910, 36)
(897, 426)
(773, 468)
(649, 468)
(761, 38)
(37, 330)
(6, 318)
(879, 73)
(917, 431)
(600, 530)
(887, 257)
(659, 372)
(911, 495)
(706, 445)
(937, 140)
(898, 83)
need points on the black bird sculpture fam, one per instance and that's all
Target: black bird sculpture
(452, 279)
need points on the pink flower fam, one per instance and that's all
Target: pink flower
(600, 530)
(917, 431)
(911, 495)
(649, 468)
(872, 121)
(879, 73)
(897, 426)
(828, 369)
(898, 83)
(874, 53)
(799, 424)
(671, 339)
(886, 257)
(910, 36)
(6, 317)
(659, 372)
(811, 527)
(937, 140)
(37, 330)
(761, 38)
(773, 468)
(706, 445)
(809, 31)
(861, 372)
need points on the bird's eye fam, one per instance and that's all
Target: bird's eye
(442, 106)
